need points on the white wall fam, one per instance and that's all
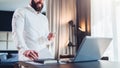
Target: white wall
(11, 5)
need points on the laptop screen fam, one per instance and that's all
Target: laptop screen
(92, 48)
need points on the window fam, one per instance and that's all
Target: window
(105, 22)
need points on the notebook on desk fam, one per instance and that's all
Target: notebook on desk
(45, 57)
(91, 49)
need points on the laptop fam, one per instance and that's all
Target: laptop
(91, 49)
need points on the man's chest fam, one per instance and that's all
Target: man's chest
(35, 21)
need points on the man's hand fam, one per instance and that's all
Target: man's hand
(50, 36)
(31, 54)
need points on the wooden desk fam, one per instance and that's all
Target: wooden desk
(93, 64)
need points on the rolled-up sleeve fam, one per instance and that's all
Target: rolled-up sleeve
(18, 29)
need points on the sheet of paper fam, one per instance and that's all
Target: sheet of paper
(45, 54)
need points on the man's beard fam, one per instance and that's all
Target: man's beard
(34, 5)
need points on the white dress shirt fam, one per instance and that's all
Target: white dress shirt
(30, 30)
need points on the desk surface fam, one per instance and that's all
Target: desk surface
(93, 64)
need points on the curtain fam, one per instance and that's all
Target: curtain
(105, 22)
(59, 13)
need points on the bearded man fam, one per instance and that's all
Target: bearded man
(30, 32)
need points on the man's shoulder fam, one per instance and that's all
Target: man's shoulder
(21, 10)
(43, 16)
